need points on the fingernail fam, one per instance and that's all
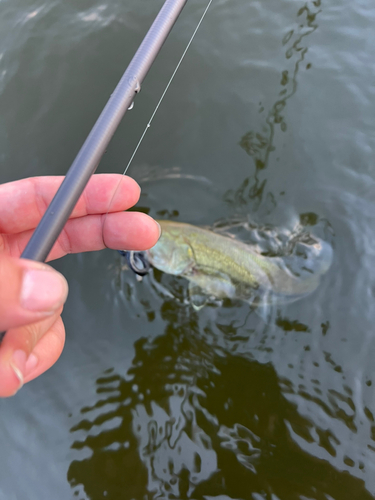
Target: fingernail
(31, 363)
(159, 226)
(18, 364)
(43, 290)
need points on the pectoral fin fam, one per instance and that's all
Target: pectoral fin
(213, 284)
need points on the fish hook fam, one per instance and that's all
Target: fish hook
(137, 261)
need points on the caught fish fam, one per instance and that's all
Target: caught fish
(220, 266)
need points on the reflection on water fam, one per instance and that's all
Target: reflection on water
(259, 145)
(197, 418)
(216, 404)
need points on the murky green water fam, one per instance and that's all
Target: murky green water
(271, 116)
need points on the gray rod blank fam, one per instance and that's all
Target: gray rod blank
(89, 156)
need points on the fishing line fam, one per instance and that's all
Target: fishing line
(158, 104)
(167, 86)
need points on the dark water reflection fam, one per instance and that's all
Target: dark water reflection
(194, 420)
(271, 119)
(260, 144)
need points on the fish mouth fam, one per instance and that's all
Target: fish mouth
(137, 261)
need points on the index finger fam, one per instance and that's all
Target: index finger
(24, 202)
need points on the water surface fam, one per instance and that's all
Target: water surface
(271, 116)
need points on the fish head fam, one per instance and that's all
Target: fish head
(172, 254)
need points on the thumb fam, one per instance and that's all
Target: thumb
(28, 351)
(29, 292)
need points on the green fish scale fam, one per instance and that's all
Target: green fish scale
(197, 253)
(215, 253)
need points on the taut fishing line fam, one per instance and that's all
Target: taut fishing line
(157, 107)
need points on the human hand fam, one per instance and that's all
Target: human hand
(32, 294)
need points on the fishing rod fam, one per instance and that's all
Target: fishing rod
(90, 154)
